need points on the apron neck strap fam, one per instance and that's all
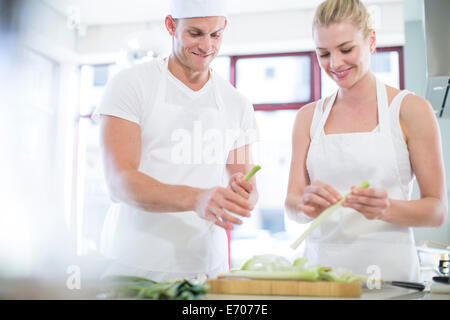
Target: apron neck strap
(325, 113)
(383, 108)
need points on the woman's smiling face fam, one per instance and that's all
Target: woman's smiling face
(344, 52)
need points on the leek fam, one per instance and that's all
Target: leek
(327, 212)
(309, 275)
(129, 287)
(269, 266)
(251, 173)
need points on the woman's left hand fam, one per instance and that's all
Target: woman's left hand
(371, 202)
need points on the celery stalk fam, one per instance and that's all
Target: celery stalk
(307, 274)
(327, 212)
(251, 173)
(271, 266)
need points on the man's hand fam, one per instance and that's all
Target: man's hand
(244, 188)
(212, 204)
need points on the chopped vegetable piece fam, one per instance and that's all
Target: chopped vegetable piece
(300, 262)
(267, 262)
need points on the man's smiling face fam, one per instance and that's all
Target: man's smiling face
(196, 41)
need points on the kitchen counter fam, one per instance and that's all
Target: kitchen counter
(388, 293)
(38, 290)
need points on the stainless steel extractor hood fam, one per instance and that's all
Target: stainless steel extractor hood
(437, 28)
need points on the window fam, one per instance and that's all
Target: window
(221, 65)
(274, 79)
(278, 81)
(92, 199)
(30, 162)
(387, 64)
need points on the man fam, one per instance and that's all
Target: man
(169, 129)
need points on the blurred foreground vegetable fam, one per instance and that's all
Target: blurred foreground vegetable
(129, 287)
(269, 266)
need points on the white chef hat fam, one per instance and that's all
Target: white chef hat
(197, 8)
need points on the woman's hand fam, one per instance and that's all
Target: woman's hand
(317, 197)
(371, 202)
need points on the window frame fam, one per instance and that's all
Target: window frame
(316, 84)
(314, 74)
(399, 50)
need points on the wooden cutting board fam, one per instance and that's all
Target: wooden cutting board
(285, 288)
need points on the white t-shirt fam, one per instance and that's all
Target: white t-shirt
(159, 242)
(130, 95)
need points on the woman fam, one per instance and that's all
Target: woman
(365, 131)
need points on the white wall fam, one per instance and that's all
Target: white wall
(45, 31)
(248, 33)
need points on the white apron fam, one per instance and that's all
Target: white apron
(347, 239)
(180, 244)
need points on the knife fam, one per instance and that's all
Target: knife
(401, 284)
(429, 288)
(442, 279)
(406, 285)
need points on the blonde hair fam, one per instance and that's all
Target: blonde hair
(331, 11)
